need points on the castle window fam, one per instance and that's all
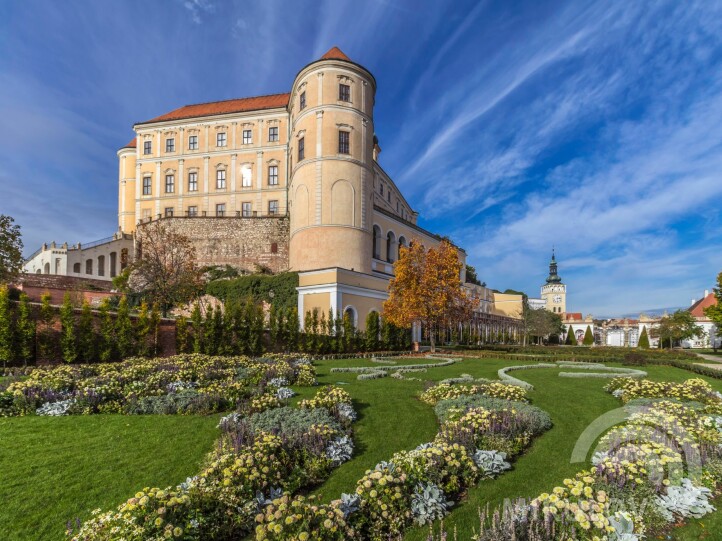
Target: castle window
(221, 209)
(247, 137)
(170, 144)
(274, 247)
(192, 142)
(246, 210)
(272, 175)
(273, 134)
(344, 92)
(101, 265)
(343, 142)
(301, 149)
(377, 242)
(221, 139)
(76, 268)
(221, 179)
(169, 183)
(302, 101)
(88, 266)
(246, 176)
(273, 207)
(192, 211)
(402, 244)
(147, 146)
(193, 181)
(388, 196)
(390, 246)
(381, 189)
(146, 215)
(146, 186)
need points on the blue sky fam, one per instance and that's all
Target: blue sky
(595, 127)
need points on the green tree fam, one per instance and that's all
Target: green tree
(45, 332)
(274, 329)
(292, 327)
(471, 277)
(106, 342)
(6, 327)
(679, 326)
(589, 337)
(124, 332)
(571, 338)
(86, 334)
(349, 333)
(197, 322)
(210, 333)
(142, 330)
(643, 339)
(228, 345)
(181, 335)
(154, 324)
(372, 331)
(714, 312)
(308, 337)
(11, 249)
(256, 328)
(68, 338)
(25, 330)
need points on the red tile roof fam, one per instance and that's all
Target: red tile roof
(132, 144)
(569, 316)
(239, 105)
(697, 309)
(334, 53)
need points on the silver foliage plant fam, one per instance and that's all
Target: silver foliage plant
(349, 504)
(284, 393)
(55, 409)
(428, 503)
(623, 527)
(346, 412)
(686, 500)
(278, 382)
(491, 463)
(175, 386)
(340, 450)
(228, 421)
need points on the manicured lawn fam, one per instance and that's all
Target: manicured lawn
(56, 469)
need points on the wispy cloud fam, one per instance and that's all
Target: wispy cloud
(199, 8)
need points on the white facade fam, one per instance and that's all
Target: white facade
(100, 260)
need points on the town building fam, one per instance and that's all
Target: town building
(711, 337)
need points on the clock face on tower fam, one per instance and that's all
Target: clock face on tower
(557, 299)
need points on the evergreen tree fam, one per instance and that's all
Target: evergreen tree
(107, 333)
(209, 332)
(6, 327)
(331, 337)
(292, 328)
(228, 344)
(86, 334)
(588, 337)
(218, 330)
(68, 339)
(308, 344)
(197, 322)
(45, 333)
(273, 326)
(25, 329)
(644, 339)
(181, 335)
(124, 332)
(242, 322)
(154, 324)
(322, 336)
(142, 331)
(338, 333)
(257, 327)
(372, 331)
(349, 333)
(571, 340)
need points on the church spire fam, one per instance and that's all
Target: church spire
(554, 277)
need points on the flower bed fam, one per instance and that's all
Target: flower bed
(658, 468)
(180, 384)
(445, 391)
(259, 457)
(421, 485)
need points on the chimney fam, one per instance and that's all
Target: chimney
(706, 292)
(692, 303)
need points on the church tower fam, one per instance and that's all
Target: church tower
(554, 292)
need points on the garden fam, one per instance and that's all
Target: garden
(203, 447)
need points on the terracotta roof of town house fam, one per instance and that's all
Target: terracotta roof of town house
(238, 105)
(334, 53)
(569, 316)
(697, 309)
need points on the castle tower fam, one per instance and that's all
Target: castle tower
(126, 187)
(331, 165)
(554, 292)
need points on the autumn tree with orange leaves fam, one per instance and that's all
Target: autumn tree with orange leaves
(427, 289)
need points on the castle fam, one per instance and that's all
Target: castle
(283, 182)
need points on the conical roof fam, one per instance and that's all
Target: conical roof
(334, 53)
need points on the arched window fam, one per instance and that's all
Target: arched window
(390, 247)
(101, 265)
(47, 268)
(377, 242)
(88, 266)
(402, 242)
(351, 313)
(113, 264)
(76, 268)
